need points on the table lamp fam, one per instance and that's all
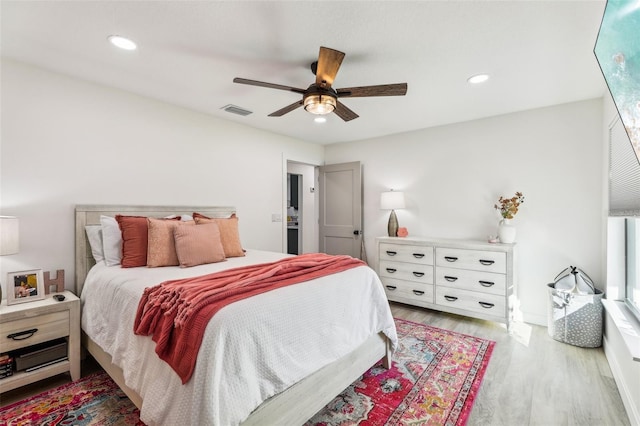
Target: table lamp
(9, 238)
(391, 200)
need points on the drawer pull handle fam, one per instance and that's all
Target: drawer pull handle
(450, 298)
(450, 258)
(487, 262)
(22, 335)
(486, 305)
(391, 270)
(418, 292)
(391, 253)
(418, 255)
(418, 274)
(450, 278)
(391, 287)
(486, 283)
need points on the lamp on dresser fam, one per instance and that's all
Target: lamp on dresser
(392, 200)
(9, 238)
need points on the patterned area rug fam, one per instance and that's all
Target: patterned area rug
(433, 381)
(92, 400)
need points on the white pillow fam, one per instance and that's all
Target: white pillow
(94, 234)
(111, 241)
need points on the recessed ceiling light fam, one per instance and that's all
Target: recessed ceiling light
(122, 42)
(478, 78)
(320, 120)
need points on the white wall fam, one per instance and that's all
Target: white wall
(66, 142)
(453, 175)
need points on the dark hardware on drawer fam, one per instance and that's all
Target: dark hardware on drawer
(450, 258)
(486, 283)
(391, 270)
(418, 255)
(418, 292)
(391, 253)
(486, 305)
(22, 335)
(450, 298)
(450, 278)
(391, 287)
(418, 274)
(487, 262)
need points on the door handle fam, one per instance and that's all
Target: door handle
(356, 232)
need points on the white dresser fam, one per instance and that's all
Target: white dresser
(465, 277)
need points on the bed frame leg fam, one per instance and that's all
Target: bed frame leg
(388, 357)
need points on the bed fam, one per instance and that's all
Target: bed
(303, 344)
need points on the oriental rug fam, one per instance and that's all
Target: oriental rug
(434, 380)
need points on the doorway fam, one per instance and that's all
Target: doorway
(304, 207)
(295, 208)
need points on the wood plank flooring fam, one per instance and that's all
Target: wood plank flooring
(531, 379)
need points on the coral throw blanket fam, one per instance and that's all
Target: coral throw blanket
(176, 313)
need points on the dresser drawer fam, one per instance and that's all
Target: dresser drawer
(487, 304)
(477, 260)
(407, 290)
(407, 271)
(48, 326)
(483, 282)
(406, 253)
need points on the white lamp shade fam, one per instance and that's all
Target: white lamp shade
(9, 235)
(392, 200)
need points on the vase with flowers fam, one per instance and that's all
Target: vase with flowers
(508, 207)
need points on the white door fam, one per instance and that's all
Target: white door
(340, 230)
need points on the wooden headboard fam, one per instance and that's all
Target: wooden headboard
(90, 215)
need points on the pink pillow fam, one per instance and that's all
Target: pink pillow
(161, 249)
(229, 233)
(197, 245)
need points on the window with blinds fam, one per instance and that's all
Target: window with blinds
(624, 173)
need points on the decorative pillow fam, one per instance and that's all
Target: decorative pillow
(229, 233)
(161, 249)
(197, 245)
(134, 240)
(94, 235)
(111, 240)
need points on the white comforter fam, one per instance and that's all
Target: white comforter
(252, 349)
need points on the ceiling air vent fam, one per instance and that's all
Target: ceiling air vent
(236, 110)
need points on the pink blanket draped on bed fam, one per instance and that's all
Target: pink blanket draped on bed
(176, 313)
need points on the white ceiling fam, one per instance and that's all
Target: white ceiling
(538, 53)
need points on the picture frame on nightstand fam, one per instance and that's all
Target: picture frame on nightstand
(25, 286)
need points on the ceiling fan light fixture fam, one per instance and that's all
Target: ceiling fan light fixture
(320, 104)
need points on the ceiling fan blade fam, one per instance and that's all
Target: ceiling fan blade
(343, 112)
(288, 108)
(399, 89)
(329, 61)
(268, 85)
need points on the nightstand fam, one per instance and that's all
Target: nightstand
(52, 320)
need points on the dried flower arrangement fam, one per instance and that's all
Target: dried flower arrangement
(508, 207)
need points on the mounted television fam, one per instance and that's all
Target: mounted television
(617, 50)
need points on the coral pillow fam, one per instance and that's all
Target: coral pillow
(229, 233)
(135, 234)
(161, 250)
(197, 245)
(134, 240)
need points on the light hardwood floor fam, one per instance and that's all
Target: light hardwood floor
(531, 379)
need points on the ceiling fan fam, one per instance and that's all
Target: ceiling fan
(320, 97)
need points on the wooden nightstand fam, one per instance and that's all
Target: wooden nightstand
(53, 320)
